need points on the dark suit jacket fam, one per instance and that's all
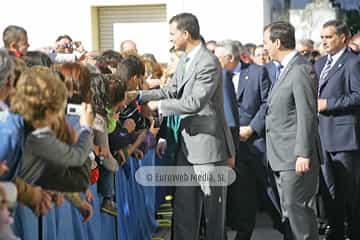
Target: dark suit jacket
(339, 124)
(271, 69)
(253, 88)
(230, 104)
(230, 107)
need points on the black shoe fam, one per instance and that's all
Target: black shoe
(322, 228)
(108, 206)
(328, 232)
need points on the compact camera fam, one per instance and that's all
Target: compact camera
(74, 109)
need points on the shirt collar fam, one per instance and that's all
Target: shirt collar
(237, 69)
(337, 55)
(191, 55)
(288, 58)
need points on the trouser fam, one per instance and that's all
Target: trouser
(190, 203)
(297, 194)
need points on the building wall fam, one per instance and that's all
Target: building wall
(47, 19)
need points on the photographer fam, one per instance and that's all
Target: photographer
(67, 51)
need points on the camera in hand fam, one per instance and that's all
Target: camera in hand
(74, 109)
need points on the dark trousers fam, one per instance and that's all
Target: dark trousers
(345, 167)
(251, 189)
(106, 183)
(190, 204)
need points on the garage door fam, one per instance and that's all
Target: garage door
(108, 16)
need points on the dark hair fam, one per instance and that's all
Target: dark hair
(187, 22)
(211, 42)
(108, 58)
(13, 33)
(62, 37)
(312, 56)
(77, 81)
(107, 92)
(283, 31)
(36, 58)
(129, 67)
(341, 27)
(250, 48)
(111, 56)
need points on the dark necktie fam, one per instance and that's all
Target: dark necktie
(325, 71)
(278, 70)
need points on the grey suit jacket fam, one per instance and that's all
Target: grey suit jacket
(291, 118)
(198, 98)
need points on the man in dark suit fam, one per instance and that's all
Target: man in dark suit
(245, 91)
(291, 127)
(196, 95)
(339, 115)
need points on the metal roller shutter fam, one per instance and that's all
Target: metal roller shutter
(126, 14)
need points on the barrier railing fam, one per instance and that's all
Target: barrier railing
(135, 220)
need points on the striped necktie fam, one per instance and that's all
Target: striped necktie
(325, 71)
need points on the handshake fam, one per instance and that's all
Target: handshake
(151, 105)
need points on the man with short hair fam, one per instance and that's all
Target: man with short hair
(291, 130)
(66, 50)
(339, 117)
(16, 40)
(196, 95)
(305, 46)
(211, 45)
(247, 85)
(128, 47)
(261, 55)
(354, 43)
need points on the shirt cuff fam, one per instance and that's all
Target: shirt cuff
(160, 111)
(86, 129)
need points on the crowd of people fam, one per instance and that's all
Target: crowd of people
(283, 114)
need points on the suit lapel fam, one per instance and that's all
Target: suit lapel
(243, 79)
(283, 74)
(190, 70)
(337, 66)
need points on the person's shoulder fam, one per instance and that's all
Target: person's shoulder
(11, 127)
(11, 120)
(207, 58)
(256, 67)
(351, 58)
(41, 135)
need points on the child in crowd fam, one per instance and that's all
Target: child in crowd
(109, 98)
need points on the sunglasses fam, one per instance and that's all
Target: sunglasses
(68, 45)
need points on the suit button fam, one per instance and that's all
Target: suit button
(267, 130)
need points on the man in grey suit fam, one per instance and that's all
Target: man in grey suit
(291, 130)
(196, 95)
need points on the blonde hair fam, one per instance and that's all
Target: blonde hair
(38, 90)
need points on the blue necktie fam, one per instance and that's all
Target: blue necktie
(325, 71)
(278, 70)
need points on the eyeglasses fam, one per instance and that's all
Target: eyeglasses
(68, 45)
